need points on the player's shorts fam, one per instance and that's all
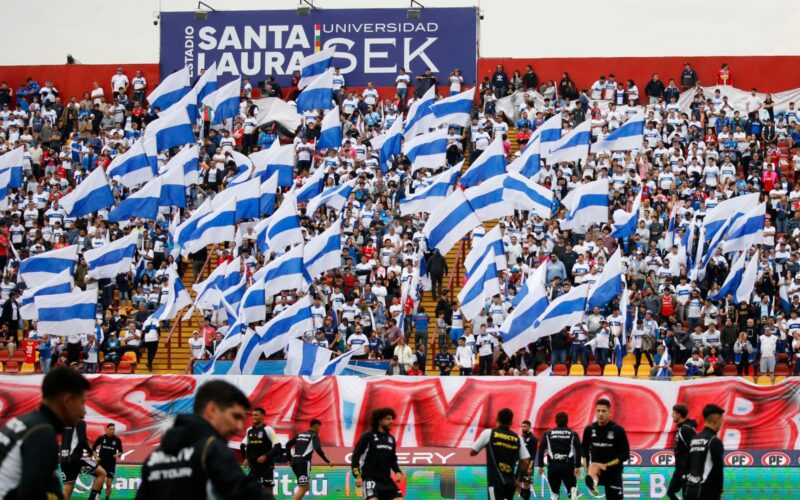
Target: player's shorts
(501, 492)
(111, 469)
(302, 470)
(71, 471)
(381, 489)
(265, 475)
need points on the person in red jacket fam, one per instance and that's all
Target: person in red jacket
(724, 76)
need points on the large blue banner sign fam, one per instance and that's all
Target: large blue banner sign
(371, 44)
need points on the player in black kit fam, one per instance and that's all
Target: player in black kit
(562, 447)
(73, 463)
(705, 466)
(28, 443)
(260, 447)
(525, 475)
(375, 457)
(686, 429)
(504, 449)
(109, 448)
(605, 448)
(305, 444)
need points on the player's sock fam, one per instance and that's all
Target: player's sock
(573, 493)
(93, 494)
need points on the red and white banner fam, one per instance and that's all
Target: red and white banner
(436, 414)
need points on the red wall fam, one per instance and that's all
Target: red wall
(766, 73)
(75, 79)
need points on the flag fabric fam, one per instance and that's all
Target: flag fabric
(389, 144)
(269, 196)
(207, 83)
(566, 309)
(334, 197)
(247, 196)
(454, 110)
(627, 137)
(741, 279)
(172, 128)
(572, 147)
(149, 143)
(338, 364)
(284, 226)
(37, 270)
(59, 283)
(672, 227)
(425, 199)
(663, 364)
(65, 314)
(276, 159)
(253, 307)
(226, 275)
(625, 222)
(214, 227)
(491, 240)
(312, 186)
(177, 298)
(12, 161)
(450, 222)
(5, 188)
(420, 117)
(225, 101)
(427, 150)
(91, 195)
(292, 322)
(491, 163)
(621, 343)
(487, 199)
(170, 90)
(185, 230)
(173, 186)
(482, 284)
(549, 134)
(132, 167)
(142, 204)
(526, 194)
(609, 285)
(304, 358)
(517, 330)
(586, 204)
(286, 272)
(746, 231)
(783, 297)
(318, 94)
(314, 65)
(232, 337)
(330, 135)
(716, 223)
(111, 259)
(529, 162)
(324, 251)
(244, 168)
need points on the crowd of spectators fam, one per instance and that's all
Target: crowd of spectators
(693, 158)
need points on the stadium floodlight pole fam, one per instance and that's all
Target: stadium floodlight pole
(414, 12)
(304, 10)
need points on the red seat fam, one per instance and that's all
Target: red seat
(108, 367)
(594, 370)
(560, 370)
(11, 367)
(124, 367)
(541, 368)
(782, 370)
(19, 356)
(4, 356)
(679, 370)
(729, 371)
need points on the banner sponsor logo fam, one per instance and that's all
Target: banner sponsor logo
(635, 459)
(776, 459)
(663, 459)
(370, 44)
(738, 459)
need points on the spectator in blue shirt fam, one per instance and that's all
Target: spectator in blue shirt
(421, 322)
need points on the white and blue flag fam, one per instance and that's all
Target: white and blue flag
(517, 331)
(59, 283)
(453, 218)
(529, 161)
(420, 117)
(566, 309)
(481, 286)
(142, 204)
(225, 101)
(627, 137)
(132, 167)
(330, 131)
(324, 251)
(747, 230)
(172, 128)
(625, 222)
(586, 204)
(65, 314)
(491, 163)
(318, 94)
(91, 195)
(609, 285)
(177, 298)
(454, 110)
(426, 198)
(334, 197)
(111, 259)
(39, 269)
(572, 147)
(313, 65)
(170, 90)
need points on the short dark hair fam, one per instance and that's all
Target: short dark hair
(112, 424)
(681, 409)
(562, 419)
(526, 422)
(260, 410)
(220, 392)
(314, 422)
(505, 417)
(711, 409)
(380, 414)
(62, 380)
(603, 402)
